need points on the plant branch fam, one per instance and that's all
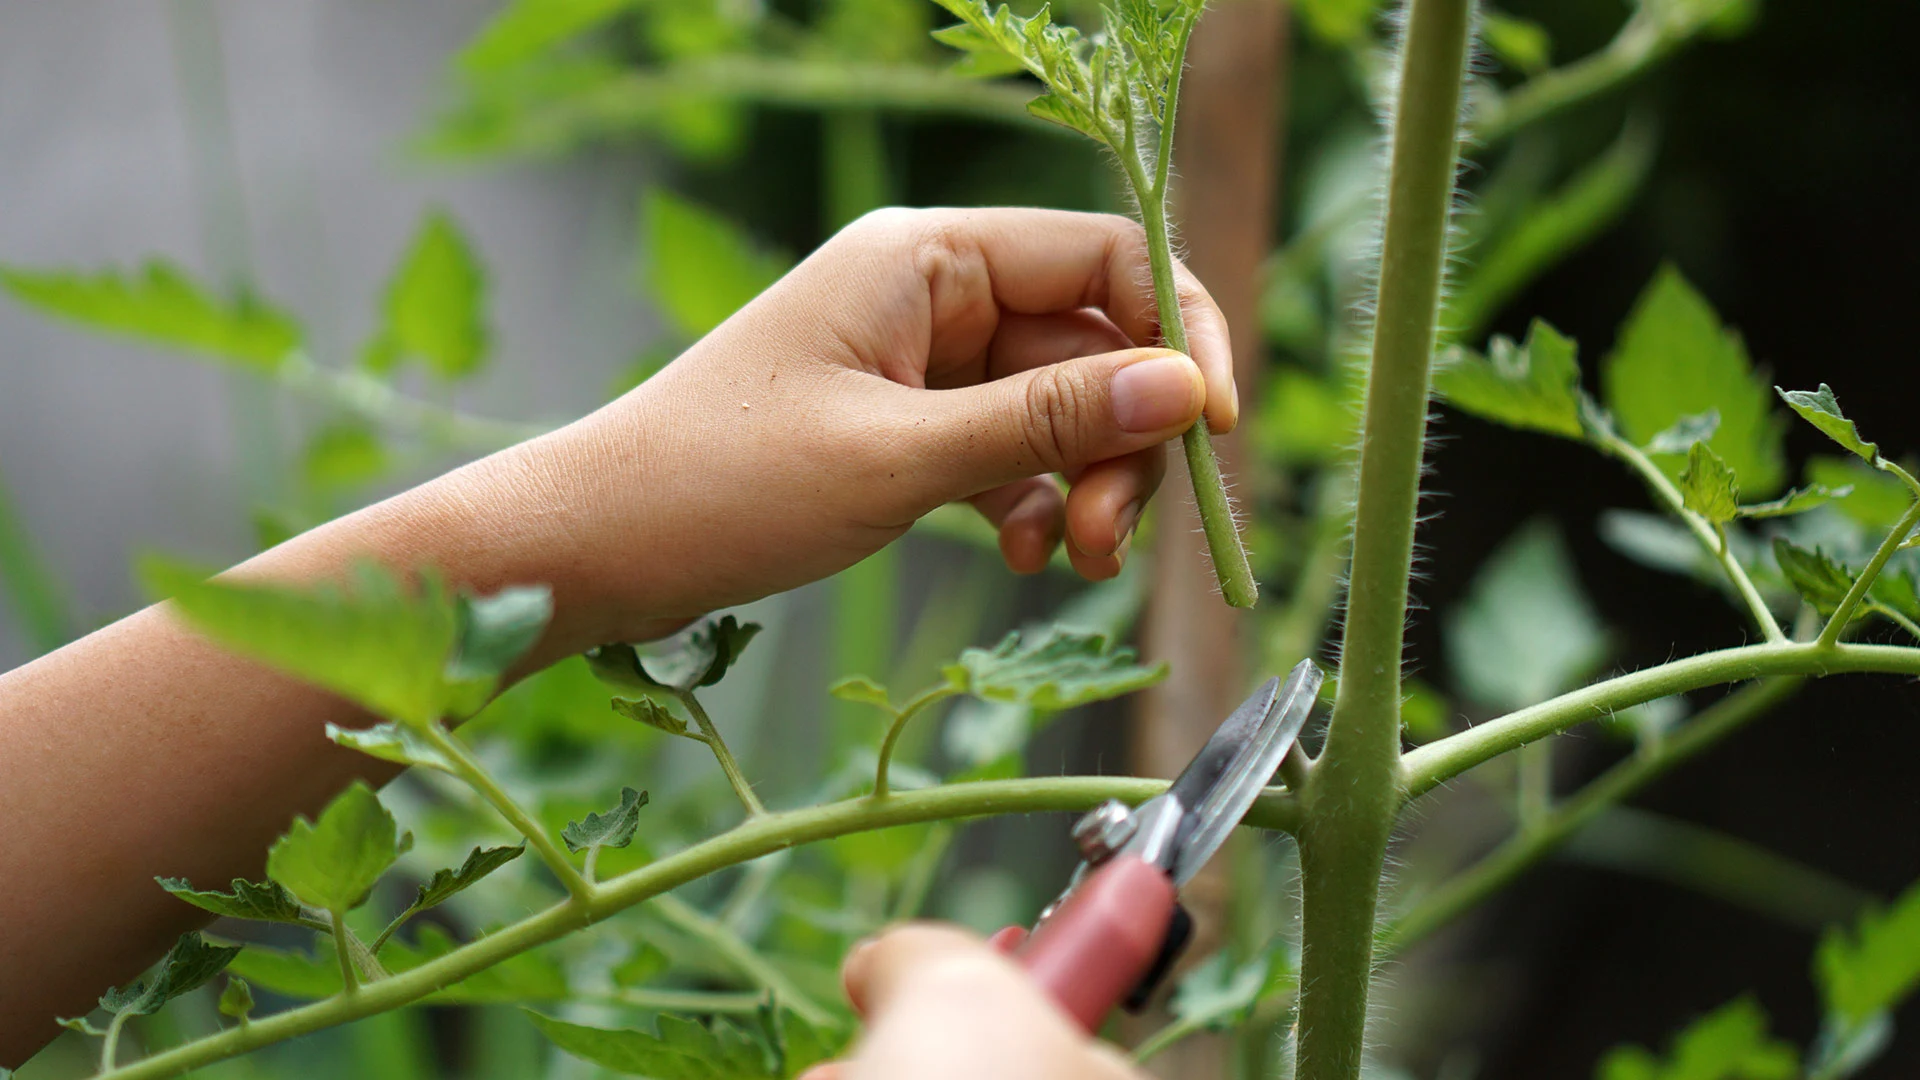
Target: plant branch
(1527, 847)
(1429, 766)
(1896, 536)
(110, 1045)
(752, 839)
(377, 402)
(905, 715)
(721, 939)
(710, 735)
(699, 1002)
(1896, 618)
(1354, 795)
(1710, 538)
(477, 778)
(349, 978)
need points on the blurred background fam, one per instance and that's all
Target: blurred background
(579, 190)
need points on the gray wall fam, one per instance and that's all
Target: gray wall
(111, 448)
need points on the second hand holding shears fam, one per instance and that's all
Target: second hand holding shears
(1117, 929)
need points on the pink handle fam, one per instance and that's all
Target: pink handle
(1092, 952)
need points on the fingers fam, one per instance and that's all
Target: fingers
(1058, 418)
(982, 266)
(942, 1005)
(1031, 517)
(1105, 505)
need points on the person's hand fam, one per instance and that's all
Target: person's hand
(917, 358)
(939, 1004)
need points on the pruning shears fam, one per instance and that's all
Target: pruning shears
(1115, 932)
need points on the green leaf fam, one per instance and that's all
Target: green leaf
(652, 713)
(1823, 582)
(435, 305)
(703, 658)
(1051, 669)
(1686, 433)
(1656, 541)
(614, 828)
(236, 1000)
(1898, 590)
(863, 691)
(1708, 488)
(1818, 407)
(1877, 499)
(1796, 501)
(642, 966)
(334, 862)
(699, 266)
(1338, 22)
(397, 743)
(342, 456)
(1219, 993)
(1535, 385)
(80, 1024)
(1674, 359)
(531, 976)
(1729, 1043)
(1306, 420)
(1521, 44)
(497, 630)
(683, 1050)
(161, 306)
(480, 862)
(527, 28)
(1871, 967)
(266, 901)
(1526, 630)
(186, 966)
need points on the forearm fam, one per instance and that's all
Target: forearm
(143, 750)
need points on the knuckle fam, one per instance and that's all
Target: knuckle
(1059, 411)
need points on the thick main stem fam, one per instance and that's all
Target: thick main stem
(1355, 792)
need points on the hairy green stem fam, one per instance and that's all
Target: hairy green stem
(480, 781)
(1429, 766)
(1843, 614)
(752, 839)
(901, 719)
(1527, 847)
(1896, 618)
(349, 978)
(1355, 792)
(710, 735)
(721, 939)
(1709, 537)
(110, 1045)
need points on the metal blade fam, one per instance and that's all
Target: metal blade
(1223, 782)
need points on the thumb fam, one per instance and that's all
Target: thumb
(1060, 417)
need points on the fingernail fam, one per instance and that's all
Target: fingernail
(1154, 394)
(1123, 525)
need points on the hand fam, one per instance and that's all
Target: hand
(919, 357)
(939, 1004)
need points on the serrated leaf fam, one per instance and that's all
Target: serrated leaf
(236, 1000)
(703, 658)
(1526, 630)
(480, 862)
(526, 28)
(332, 863)
(265, 901)
(1819, 408)
(1685, 433)
(186, 966)
(1796, 501)
(1869, 968)
(861, 690)
(1675, 359)
(370, 643)
(80, 1024)
(1729, 1043)
(1823, 582)
(1219, 993)
(531, 976)
(435, 305)
(683, 1050)
(652, 713)
(497, 630)
(613, 828)
(160, 305)
(700, 267)
(1708, 487)
(1533, 385)
(397, 743)
(800, 1045)
(1052, 669)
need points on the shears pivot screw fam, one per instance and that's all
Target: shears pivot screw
(1104, 830)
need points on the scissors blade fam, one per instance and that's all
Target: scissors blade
(1225, 779)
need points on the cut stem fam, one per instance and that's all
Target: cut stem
(1355, 792)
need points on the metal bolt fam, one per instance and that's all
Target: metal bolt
(1104, 830)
